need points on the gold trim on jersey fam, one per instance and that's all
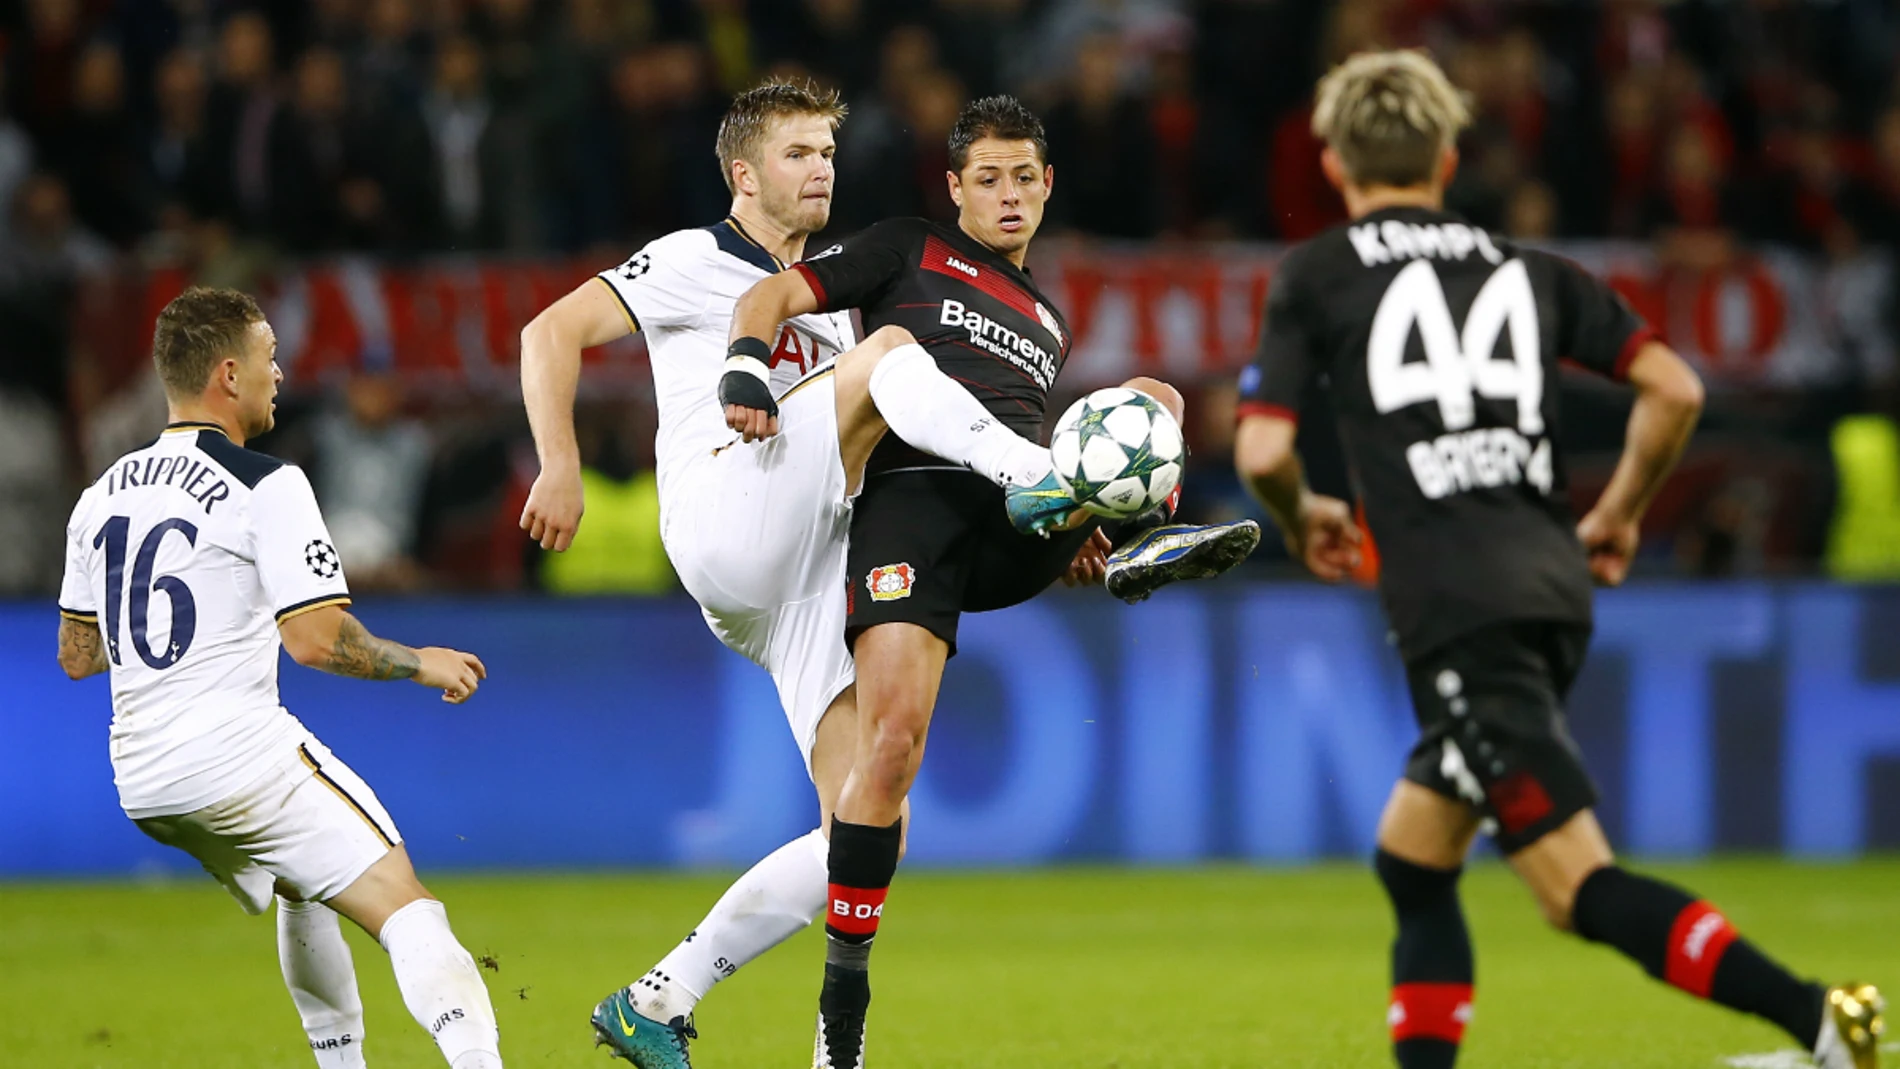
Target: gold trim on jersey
(806, 381)
(739, 229)
(311, 606)
(633, 325)
(80, 617)
(317, 769)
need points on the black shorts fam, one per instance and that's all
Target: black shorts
(929, 546)
(1490, 708)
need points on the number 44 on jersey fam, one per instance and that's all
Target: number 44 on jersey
(1460, 366)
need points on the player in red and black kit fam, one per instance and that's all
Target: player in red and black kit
(930, 540)
(1439, 345)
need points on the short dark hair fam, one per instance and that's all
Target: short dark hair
(746, 122)
(200, 327)
(1002, 117)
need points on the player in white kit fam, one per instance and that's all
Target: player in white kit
(755, 505)
(189, 563)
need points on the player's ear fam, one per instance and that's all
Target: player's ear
(1335, 169)
(742, 180)
(1048, 179)
(227, 375)
(955, 182)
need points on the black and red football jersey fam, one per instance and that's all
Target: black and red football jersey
(979, 315)
(1438, 345)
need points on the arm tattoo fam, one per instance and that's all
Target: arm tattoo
(81, 645)
(361, 655)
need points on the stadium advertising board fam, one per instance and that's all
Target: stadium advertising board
(1764, 319)
(1260, 722)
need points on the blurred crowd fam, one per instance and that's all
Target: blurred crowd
(229, 136)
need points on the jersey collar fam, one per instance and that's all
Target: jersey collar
(732, 239)
(193, 425)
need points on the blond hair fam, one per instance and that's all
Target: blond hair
(1389, 115)
(743, 130)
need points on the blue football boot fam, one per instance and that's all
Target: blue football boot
(1040, 509)
(641, 1040)
(1162, 555)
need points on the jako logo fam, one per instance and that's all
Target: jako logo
(1700, 933)
(863, 911)
(444, 1021)
(961, 266)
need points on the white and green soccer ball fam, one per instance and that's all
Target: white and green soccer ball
(1118, 452)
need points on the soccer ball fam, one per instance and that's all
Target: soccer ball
(1118, 452)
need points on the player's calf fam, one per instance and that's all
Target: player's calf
(438, 979)
(322, 980)
(1687, 943)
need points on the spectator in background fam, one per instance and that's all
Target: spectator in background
(180, 172)
(1530, 213)
(372, 462)
(1634, 147)
(385, 68)
(936, 98)
(457, 112)
(654, 173)
(1695, 208)
(840, 35)
(243, 109)
(42, 63)
(876, 146)
(16, 154)
(619, 551)
(344, 179)
(1102, 141)
(1174, 123)
(43, 254)
(97, 149)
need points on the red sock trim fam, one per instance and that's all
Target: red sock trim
(1697, 941)
(1429, 1011)
(854, 910)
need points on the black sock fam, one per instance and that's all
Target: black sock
(1432, 969)
(860, 865)
(859, 868)
(1688, 944)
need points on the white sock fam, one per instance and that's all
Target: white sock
(441, 986)
(773, 901)
(322, 981)
(934, 412)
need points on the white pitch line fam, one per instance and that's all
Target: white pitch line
(1785, 1059)
(1780, 1059)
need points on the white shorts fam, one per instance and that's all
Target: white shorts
(757, 533)
(309, 821)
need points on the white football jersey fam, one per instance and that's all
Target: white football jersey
(188, 553)
(680, 291)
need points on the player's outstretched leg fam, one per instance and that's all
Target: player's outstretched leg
(889, 381)
(322, 981)
(438, 979)
(1687, 943)
(1423, 839)
(649, 1021)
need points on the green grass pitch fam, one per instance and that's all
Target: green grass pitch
(1070, 969)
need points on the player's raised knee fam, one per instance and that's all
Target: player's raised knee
(1169, 397)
